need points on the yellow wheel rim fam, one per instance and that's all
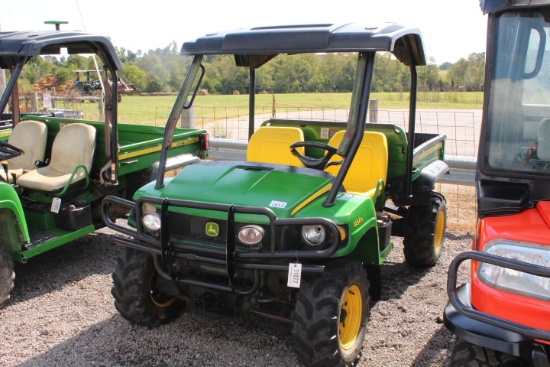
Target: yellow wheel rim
(160, 300)
(350, 316)
(439, 232)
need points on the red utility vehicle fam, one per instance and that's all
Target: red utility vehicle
(502, 316)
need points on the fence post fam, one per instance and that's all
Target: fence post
(101, 107)
(373, 112)
(188, 117)
(34, 102)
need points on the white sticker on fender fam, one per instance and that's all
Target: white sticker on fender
(277, 204)
(294, 275)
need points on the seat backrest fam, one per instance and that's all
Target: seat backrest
(369, 166)
(31, 136)
(271, 144)
(73, 145)
(543, 148)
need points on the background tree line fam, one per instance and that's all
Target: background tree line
(163, 70)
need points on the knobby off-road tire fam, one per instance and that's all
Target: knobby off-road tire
(469, 355)
(7, 276)
(330, 317)
(424, 234)
(136, 297)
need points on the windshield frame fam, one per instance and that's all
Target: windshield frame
(512, 115)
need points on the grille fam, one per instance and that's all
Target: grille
(190, 227)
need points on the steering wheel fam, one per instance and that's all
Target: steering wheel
(8, 151)
(309, 162)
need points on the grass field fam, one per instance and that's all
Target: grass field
(156, 109)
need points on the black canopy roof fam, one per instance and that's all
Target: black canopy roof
(405, 43)
(18, 44)
(493, 6)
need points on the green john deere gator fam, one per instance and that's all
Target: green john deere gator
(296, 232)
(55, 170)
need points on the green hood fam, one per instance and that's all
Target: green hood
(284, 189)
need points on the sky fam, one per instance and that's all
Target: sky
(451, 29)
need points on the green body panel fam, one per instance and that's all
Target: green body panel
(12, 219)
(358, 214)
(229, 184)
(59, 238)
(226, 184)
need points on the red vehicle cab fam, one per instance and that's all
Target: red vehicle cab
(504, 310)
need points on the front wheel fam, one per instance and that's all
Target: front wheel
(424, 234)
(469, 355)
(7, 276)
(136, 296)
(330, 317)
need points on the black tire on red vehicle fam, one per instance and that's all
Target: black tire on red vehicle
(135, 293)
(7, 276)
(469, 355)
(330, 317)
(424, 232)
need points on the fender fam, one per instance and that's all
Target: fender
(429, 176)
(14, 231)
(358, 214)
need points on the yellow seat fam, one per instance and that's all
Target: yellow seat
(72, 157)
(271, 144)
(369, 168)
(31, 136)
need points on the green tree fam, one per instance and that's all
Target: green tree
(134, 75)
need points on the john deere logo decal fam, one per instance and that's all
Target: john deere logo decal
(212, 229)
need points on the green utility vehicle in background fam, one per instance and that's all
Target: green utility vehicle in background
(55, 171)
(298, 231)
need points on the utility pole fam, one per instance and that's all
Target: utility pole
(57, 23)
(2, 80)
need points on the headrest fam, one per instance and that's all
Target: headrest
(543, 149)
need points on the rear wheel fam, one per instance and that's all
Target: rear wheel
(330, 317)
(7, 276)
(424, 234)
(136, 296)
(469, 355)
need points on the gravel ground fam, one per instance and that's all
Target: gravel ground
(62, 314)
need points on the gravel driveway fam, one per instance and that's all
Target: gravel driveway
(62, 314)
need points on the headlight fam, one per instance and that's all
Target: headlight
(251, 235)
(151, 221)
(513, 280)
(313, 234)
(148, 208)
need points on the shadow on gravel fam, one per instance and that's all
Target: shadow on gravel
(194, 339)
(438, 347)
(51, 271)
(390, 271)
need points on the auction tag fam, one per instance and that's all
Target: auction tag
(56, 205)
(294, 275)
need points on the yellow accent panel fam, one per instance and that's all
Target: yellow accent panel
(271, 144)
(137, 153)
(311, 198)
(369, 166)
